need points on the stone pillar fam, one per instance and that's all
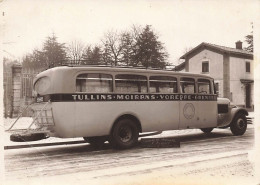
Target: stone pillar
(226, 76)
(16, 84)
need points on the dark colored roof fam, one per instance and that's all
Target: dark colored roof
(179, 67)
(220, 48)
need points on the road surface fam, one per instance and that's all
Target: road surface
(216, 158)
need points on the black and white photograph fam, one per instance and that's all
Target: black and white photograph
(130, 92)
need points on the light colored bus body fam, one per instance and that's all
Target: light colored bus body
(96, 118)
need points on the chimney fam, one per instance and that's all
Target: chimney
(239, 44)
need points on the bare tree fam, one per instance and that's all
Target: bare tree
(113, 46)
(127, 42)
(136, 31)
(75, 51)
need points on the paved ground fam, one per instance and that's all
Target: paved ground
(217, 158)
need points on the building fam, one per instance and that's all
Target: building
(232, 69)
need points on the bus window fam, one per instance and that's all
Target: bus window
(131, 83)
(204, 86)
(216, 88)
(163, 84)
(187, 85)
(94, 83)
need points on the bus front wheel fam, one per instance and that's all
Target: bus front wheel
(124, 134)
(239, 125)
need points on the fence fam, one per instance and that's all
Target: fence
(27, 85)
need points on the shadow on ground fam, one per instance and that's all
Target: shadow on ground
(87, 149)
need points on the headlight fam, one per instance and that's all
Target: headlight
(42, 85)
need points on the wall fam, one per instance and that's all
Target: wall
(237, 72)
(215, 66)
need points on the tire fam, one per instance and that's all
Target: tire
(206, 130)
(95, 141)
(124, 134)
(27, 137)
(239, 125)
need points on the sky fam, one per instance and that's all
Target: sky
(180, 24)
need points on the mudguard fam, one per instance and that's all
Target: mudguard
(225, 119)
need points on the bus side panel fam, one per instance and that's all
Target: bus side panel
(64, 119)
(78, 119)
(198, 114)
(156, 115)
(208, 114)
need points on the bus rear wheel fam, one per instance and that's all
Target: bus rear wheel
(239, 125)
(95, 141)
(124, 134)
(206, 130)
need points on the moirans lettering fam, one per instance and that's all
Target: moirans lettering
(119, 97)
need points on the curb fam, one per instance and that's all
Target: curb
(42, 145)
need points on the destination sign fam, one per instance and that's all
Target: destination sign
(130, 97)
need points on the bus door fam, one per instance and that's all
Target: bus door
(207, 104)
(188, 105)
(197, 110)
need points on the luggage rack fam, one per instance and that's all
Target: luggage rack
(42, 118)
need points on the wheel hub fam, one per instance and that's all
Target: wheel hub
(241, 123)
(125, 134)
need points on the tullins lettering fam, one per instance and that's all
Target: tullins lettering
(91, 97)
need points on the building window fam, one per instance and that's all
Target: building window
(205, 67)
(248, 67)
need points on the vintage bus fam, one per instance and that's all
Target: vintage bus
(116, 104)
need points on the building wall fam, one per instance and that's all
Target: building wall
(237, 72)
(215, 66)
(238, 69)
(232, 74)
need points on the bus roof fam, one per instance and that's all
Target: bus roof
(123, 69)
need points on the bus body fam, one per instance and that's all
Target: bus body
(116, 104)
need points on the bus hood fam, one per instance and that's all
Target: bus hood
(223, 101)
